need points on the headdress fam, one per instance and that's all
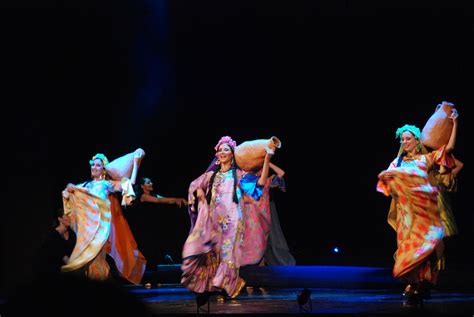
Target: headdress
(416, 132)
(226, 139)
(411, 128)
(101, 157)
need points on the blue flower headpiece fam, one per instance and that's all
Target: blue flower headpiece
(411, 128)
(101, 157)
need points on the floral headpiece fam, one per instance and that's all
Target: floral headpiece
(226, 139)
(411, 128)
(101, 157)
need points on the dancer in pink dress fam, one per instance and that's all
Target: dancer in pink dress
(222, 239)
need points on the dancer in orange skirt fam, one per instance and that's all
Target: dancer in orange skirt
(414, 212)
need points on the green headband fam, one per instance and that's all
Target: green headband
(411, 128)
(101, 157)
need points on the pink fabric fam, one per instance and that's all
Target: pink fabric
(257, 219)
(220, 234)
(226, 139)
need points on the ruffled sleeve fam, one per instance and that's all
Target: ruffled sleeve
(440, 157)
(126, 188)
(200, 182)
(278, 182)
(248, 184)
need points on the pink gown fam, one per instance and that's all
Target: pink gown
(225, 235)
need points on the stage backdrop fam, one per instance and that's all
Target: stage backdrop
(173, 77)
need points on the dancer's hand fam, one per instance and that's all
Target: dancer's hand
(386, 176)
(180, 202)
(269, 151)
(70, 188)
(138, 156)
(191, 200)
(454, 115)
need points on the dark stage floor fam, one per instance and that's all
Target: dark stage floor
(173, 299)
(334, 290)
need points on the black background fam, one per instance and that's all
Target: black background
(333, 80)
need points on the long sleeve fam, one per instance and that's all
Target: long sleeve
(200, 182)
(440, 157)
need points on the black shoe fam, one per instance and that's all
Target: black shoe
(414, 299)
(425, 294)
(202, 298)
(425, 290)
(410, 289)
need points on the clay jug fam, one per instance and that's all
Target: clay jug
(249, 155)
(438, 128)
(123, 166)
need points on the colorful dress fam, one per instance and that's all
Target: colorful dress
(101, 229)
(225, 235)
(415, 216)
